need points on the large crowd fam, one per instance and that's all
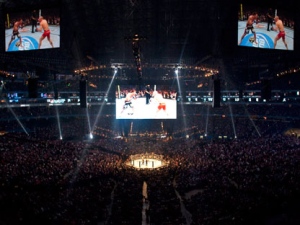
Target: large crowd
(251, 179)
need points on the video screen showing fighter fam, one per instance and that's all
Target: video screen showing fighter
(263, 27)
(151, 102)
(26, 30)
(128, 102)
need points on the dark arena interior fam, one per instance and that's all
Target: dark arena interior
(149, 112)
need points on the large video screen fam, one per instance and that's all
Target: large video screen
(269, 27)
(149, 102)
(32, 29)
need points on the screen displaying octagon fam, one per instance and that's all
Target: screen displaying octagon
(265, 26)
(32, 29)
(150, 102)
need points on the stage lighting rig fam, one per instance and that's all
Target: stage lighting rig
(136, 50)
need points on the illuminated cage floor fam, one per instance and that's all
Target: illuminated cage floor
(146, 161)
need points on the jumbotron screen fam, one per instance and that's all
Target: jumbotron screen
(32, 29)
(268, 27)
(150, 102)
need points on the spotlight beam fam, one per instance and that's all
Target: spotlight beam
(252, 122)
(58, 122)
(20, 123)
(89, 122)
(102, 105)
(232, 121)
(177, 77)
(182, 108)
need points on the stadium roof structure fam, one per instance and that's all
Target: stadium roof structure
(100, 32)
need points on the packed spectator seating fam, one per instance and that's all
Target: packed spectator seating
(251, 179)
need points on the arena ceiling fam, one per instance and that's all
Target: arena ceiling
(99, 32)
